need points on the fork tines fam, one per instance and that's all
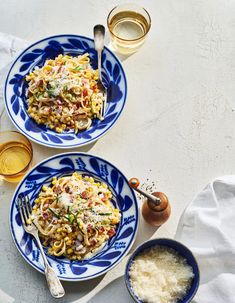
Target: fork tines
(24, 207)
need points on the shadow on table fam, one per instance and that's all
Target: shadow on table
(76, 290)
(121, 57)
(39, 292)
(118, 291)
(8, 186)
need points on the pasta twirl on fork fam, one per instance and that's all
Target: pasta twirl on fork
(75, 216)
(63, 94)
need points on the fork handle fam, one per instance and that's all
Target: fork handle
(99, 32)
(54, 284)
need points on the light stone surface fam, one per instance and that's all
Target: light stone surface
(177, 128)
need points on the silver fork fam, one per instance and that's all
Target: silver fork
(25, 209)
(99, 32)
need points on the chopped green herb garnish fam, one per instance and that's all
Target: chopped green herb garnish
(66, 217)
(57, 199)
(105, 223)
(66, 87)
(105, 214)
(70, 218)
(79, 227)
(77, 212)
(38, 94)
(52, 93)
(54, 213)
(77, 68)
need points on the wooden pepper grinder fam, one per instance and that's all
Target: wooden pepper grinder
(156, 208)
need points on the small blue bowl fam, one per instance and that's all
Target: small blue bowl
(182, 250)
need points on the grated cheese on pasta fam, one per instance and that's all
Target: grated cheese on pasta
(63, 94)
(75, 216)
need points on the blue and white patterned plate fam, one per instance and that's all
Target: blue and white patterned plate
(124, 198)
(35, 55)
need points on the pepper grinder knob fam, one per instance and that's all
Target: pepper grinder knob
(134, 182)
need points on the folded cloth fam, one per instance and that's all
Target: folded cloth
(207, 227)
(10, 46)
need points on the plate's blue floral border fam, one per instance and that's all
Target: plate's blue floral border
(124, 199)
(35, 55)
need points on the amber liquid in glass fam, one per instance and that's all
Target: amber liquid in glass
(14, 159)
(129, 26)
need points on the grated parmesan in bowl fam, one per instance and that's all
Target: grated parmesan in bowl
(161, 273)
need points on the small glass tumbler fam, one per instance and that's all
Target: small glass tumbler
(16, 154)
(129, 25)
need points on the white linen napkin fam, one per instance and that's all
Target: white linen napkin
(10, 46)
(207, 227)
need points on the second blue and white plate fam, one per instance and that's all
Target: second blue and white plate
(124, 199)
(113, 77)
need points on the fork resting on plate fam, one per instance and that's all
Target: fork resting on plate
(54, 284)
